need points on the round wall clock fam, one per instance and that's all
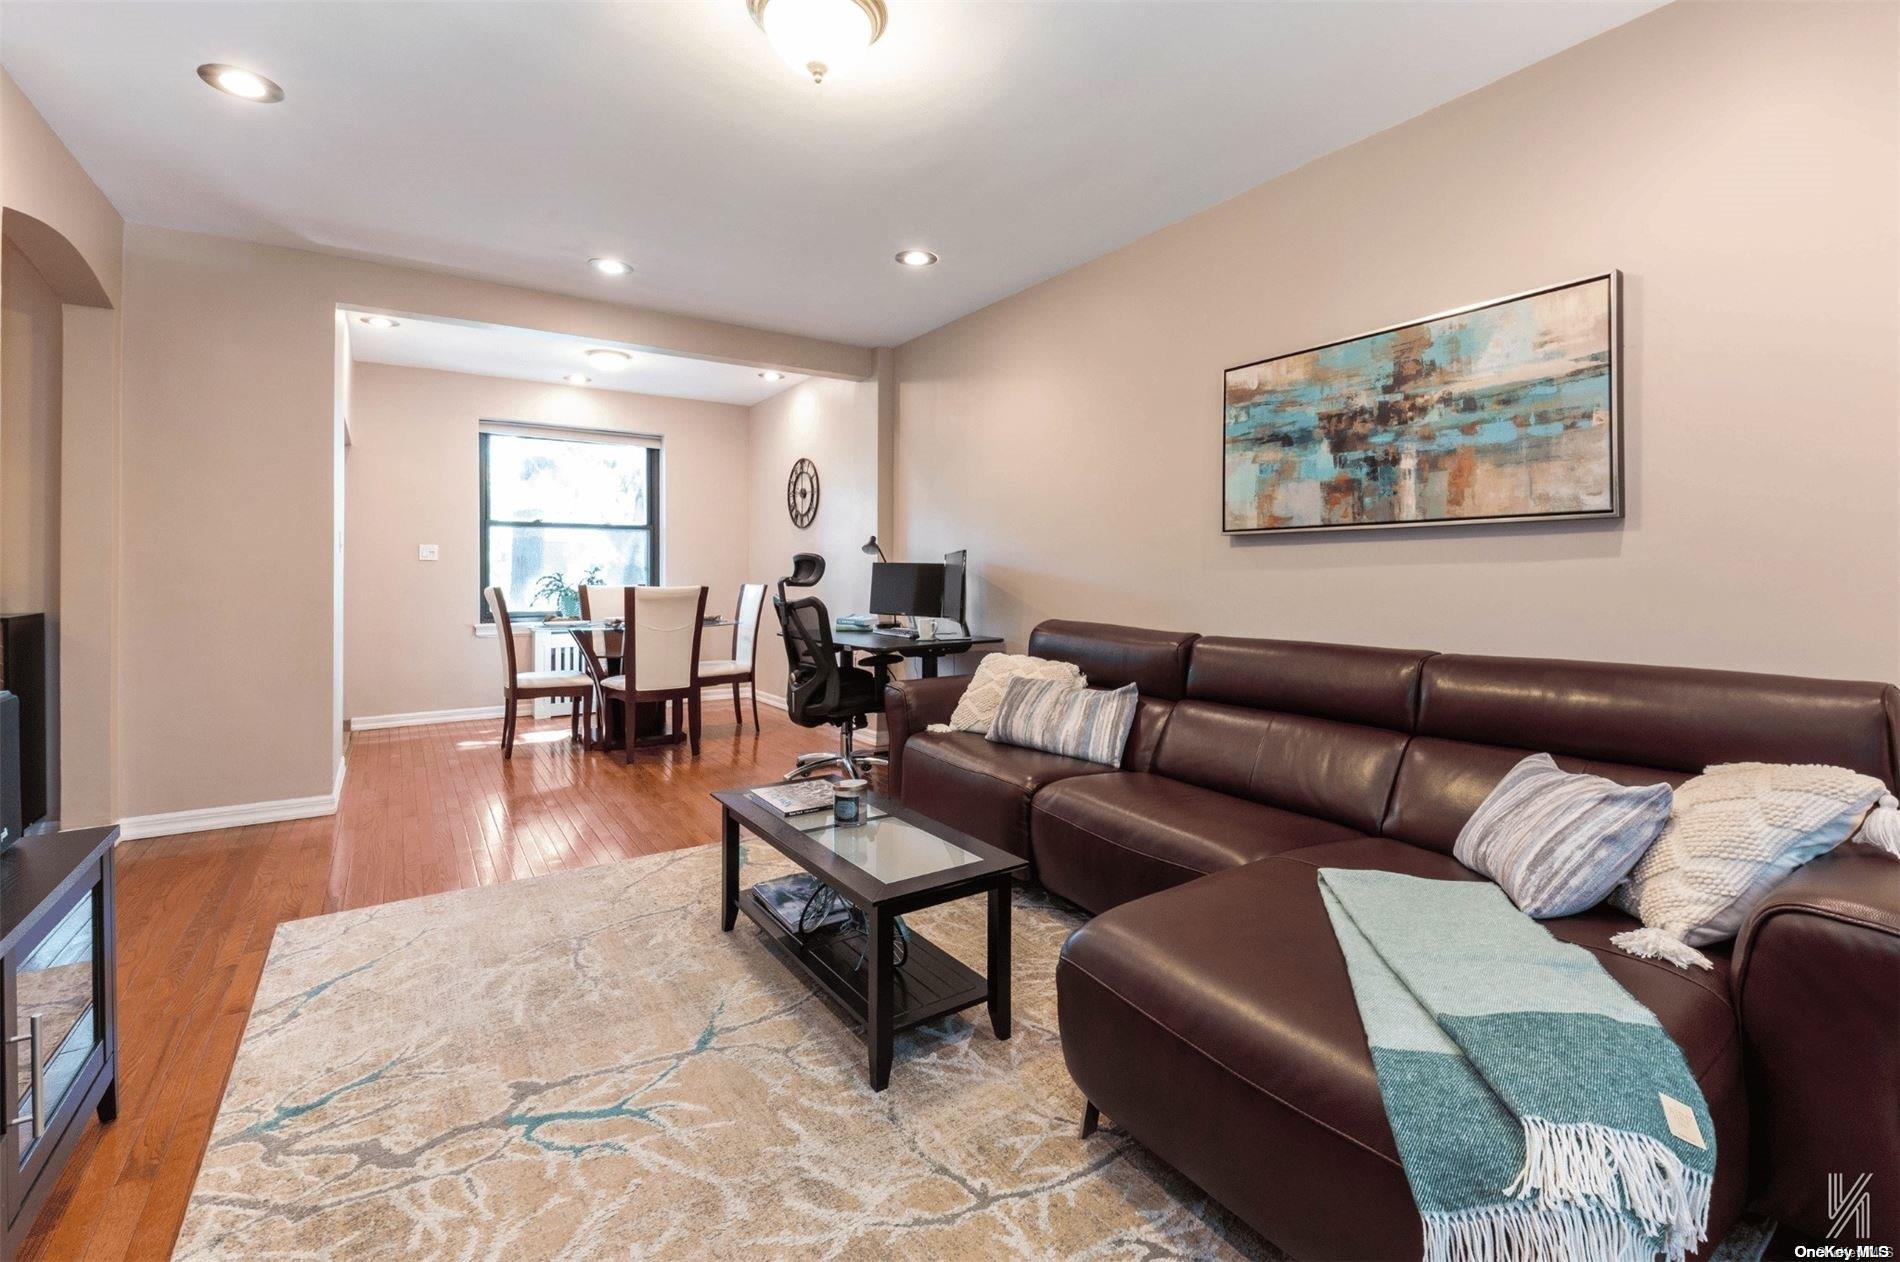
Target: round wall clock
(801, 493)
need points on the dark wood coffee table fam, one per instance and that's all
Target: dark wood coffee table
(885, 868)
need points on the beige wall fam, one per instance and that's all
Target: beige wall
(29, 437)
(1738, 162)
(835, 424)
(31, 364)
(89, 552)
(413, 478)
(229, 506)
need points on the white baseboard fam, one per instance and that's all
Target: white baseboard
(172, 823)
(420, 718)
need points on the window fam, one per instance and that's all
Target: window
(562, 509)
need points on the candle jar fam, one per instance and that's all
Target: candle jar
(847, 801)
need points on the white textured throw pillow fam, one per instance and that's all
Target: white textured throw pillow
(1735, 832)
(976, 708)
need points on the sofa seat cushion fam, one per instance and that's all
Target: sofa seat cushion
(1216, 1021)
(1102, 840)
(982, 788)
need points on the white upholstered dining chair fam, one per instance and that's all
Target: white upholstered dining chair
(742, 666)
(524, 685)
(659, 656)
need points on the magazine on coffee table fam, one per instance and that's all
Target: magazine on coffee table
(797, 799)
(788, 898)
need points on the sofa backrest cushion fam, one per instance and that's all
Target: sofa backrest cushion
(1151, 720)
(1156, 662)
(1376, 687)
(1634, 724)
(1314, 728)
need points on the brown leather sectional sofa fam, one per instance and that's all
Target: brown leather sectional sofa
(1206, 1009)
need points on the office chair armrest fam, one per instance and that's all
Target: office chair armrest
(911, 705)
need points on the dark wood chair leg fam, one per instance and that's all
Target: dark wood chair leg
(574, 718)
(753, 684)
(692, 720)
(508, 726)
(1091, 1118)
(738, 715)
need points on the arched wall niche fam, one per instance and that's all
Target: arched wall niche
(56, 258)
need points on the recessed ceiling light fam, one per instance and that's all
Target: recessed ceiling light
(379, 322)
(246, 85)
(772, 376)
(916, 258)
(576, 379)
(608, 361)
(610, 266)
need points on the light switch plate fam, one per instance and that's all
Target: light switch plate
(427, 552)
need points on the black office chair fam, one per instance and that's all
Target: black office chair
(820, 689)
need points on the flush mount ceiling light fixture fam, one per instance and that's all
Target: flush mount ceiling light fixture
(608, 361)
(609, 266)
(817, 37)
(577, 379)
(771, 376)
(916, 258)
(246, 85)
(379, 322)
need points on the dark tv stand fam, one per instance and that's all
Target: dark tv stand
(58, 1010)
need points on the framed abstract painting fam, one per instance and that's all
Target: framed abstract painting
(1504, 411)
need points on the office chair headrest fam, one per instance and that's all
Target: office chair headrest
(807, 569)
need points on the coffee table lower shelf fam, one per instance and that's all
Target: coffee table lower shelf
(932, 983)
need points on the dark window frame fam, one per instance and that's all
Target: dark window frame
(483, 522)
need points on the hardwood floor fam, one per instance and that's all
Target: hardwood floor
(424, 810)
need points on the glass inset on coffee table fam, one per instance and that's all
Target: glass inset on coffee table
(897, 863)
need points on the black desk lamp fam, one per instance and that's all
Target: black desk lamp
(871, 549)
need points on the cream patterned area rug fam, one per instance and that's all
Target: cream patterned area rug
(584, 1066)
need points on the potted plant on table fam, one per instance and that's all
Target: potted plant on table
(556, 590)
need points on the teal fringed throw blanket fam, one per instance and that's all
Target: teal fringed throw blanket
(1540, 1111)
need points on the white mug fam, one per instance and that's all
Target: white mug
(926, 628)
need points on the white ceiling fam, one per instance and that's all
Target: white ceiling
(513, 140)
(495, 350)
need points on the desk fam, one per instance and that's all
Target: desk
(927, 652)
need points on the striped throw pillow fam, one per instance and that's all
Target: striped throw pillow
(1558, 843)
(1050, 715)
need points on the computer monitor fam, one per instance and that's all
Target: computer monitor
(902, 587)
(956, 566)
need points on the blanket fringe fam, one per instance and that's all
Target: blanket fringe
(1660, 944)
(1881, 828)
(1515, 1232)
(1584, 1165)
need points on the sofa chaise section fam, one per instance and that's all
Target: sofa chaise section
(1215, 1022)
